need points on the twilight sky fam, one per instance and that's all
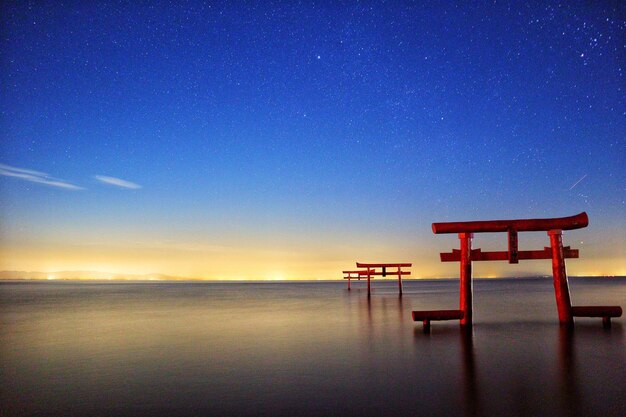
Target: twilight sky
(290, 139)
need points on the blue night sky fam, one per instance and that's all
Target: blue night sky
(289, 139)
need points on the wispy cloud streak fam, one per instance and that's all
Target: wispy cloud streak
(117, 182)
(36, 177)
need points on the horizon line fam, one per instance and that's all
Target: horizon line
(392, 280)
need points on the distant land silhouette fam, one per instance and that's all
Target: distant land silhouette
(86, 275)
(110, 276)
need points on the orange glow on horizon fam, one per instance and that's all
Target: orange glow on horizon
(248, 259)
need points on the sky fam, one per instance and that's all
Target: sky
(288, 140)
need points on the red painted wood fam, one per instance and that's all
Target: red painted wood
(394, 273)
(513, 250)
(556, 252)
(426, 324)
(559, 274)
(479, 255)
(350, 275)
(371, 272)
(597, 311)
(466, 278)
(522, 225)
(437, 315)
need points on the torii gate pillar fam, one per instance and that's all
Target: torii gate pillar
(465, 304)
(559, 274)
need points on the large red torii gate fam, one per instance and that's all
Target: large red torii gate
(465, 255)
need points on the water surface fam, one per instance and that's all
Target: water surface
(288, 349)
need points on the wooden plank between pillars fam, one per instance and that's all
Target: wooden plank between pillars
(479, 255)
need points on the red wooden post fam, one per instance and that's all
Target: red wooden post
(399, 281)
(368, 282)
(513, 249)
(559, 274)
(466, 278)
(349, 275)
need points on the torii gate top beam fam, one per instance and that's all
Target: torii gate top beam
(349, 274)
(523, 225)
(385, 265)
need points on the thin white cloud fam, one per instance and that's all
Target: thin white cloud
(117, 182)
(23, 170)
(36, 177)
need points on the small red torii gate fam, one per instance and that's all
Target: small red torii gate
(348, 275)
(465, 255)
(371, 271)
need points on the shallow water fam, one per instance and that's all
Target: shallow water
(289, 349)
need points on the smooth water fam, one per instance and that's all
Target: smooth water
(291, 349)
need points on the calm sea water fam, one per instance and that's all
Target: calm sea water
(311, 349)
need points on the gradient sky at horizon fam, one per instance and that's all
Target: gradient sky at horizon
(287, 140)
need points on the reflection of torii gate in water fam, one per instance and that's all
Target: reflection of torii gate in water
(556, 252)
